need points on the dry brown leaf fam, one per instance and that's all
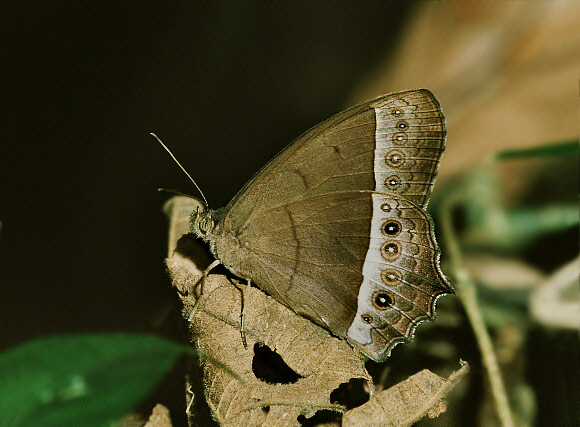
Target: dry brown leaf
(159, 417)
(405, 403)
(233, 392)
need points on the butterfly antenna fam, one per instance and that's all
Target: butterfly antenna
(182, 168)
(178, 193)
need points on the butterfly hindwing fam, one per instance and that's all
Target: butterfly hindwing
(333, 267)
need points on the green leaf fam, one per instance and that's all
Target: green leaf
(81, 379)
(563, 149)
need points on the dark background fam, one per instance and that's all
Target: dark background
(225, 85)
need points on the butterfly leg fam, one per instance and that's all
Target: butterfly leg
(200, 282)
(243, 315)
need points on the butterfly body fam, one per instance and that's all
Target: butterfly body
(334, 226)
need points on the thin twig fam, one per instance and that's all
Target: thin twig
(467, 293)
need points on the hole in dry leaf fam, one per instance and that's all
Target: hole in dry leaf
(265, 409)
(322, 417)
(269, 366)
(350, 394)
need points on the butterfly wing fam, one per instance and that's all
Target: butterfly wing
(362, 264)
(303, 227)
(392, 143)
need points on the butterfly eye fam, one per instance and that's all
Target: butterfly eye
(382, 300)
(205, 224)
(391, 228)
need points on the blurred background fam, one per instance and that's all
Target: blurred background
(227, 85)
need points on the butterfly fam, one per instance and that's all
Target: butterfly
(335, 226)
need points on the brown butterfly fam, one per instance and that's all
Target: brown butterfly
(335, 227)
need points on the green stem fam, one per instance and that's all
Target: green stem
(467, 293)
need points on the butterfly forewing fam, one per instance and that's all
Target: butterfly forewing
(392, 143)
(410, 138)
